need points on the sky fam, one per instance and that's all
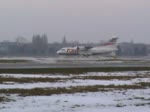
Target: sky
(81, 20)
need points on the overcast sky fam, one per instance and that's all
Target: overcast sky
(82, 20)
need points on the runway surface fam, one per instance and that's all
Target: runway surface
(73, 63)
(70, 65)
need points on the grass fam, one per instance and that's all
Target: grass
(68, 90)
(120, 105)
(47, 79)
(30, 80)
(4, 99)
(142, 104)
(71, 70)
(14, 61)
(141, 98)
(109, 77)
(144, 84)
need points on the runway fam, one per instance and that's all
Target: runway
(69, 65)
(49, 65)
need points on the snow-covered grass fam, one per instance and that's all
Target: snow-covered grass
(125, 73)
(116, 101)
(87, 95)
(35, 76)
(72, 83)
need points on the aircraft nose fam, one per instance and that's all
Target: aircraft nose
(58, 52)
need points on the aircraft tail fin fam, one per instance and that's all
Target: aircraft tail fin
(112, 41)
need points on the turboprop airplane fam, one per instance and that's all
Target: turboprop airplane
(107, 49)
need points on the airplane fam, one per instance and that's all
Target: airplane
(107, 49)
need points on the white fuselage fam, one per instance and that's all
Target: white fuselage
(92, 51)
(108, 48)
(68, 51)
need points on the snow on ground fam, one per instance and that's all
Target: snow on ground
(34, 76)
(137, 100)
(118, 101)
(72, 83)
(129, 73)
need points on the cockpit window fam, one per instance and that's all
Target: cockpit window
(62, 49)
